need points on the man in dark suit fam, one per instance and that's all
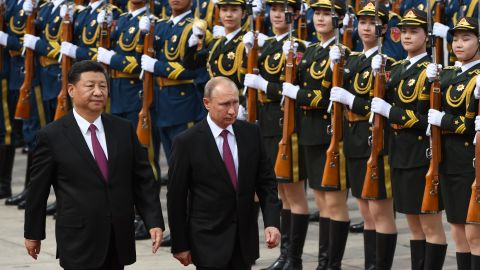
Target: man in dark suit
(217, 166)
(99, 173)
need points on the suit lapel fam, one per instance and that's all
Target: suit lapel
(241, 152)
(75, 136)
(111, 144)
(214, 154)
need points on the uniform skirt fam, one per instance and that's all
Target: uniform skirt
(455, 192)
(408, 188)
(315, 156)
(356, 170)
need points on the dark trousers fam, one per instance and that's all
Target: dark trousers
(112, 261)
(236, 261)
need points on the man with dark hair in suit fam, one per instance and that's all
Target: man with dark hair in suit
(99, 173)
(217, 166)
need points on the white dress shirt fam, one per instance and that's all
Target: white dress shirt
(216, 131)
(95, 5)
(231, 35)
(469, 65)
(136, 12)
(369, 52)
(84, 125)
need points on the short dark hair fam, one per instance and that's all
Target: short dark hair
(84, 66)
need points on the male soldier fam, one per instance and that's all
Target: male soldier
(12, 40)
(178, 102)
(7, 145)
(86, 30)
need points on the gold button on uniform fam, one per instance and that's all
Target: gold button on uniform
(182, 93)
(325, 117)
(132, 81)
(420, 138)
(466, 144)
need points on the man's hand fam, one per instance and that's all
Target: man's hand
(156, 234)
(185, 257)
(33, 247)
(272, 237)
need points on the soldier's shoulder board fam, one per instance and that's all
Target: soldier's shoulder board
(353, 53)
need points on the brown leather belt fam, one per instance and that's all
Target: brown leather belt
(353, 117)
(118, 74)
(397, 126)
(162, 82)
(309, 108)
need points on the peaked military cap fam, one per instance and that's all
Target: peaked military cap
(369, 10)
(340, 6)
(414, 17)
(232, 2)
(296, 4)
(468, 24)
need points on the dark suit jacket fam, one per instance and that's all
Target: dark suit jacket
(88, 207)
(205, 212)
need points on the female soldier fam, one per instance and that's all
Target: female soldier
(455, 118)
(406, 110)
(377, 213)
(314, 79)
(271, 64)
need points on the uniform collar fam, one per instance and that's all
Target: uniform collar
(95, 5)
(232, 35)
(56, 3)
(137, 12)
(415, 59)
(469, 65)
(282, 36)
(178, 18)
(371, 51)
(325, 45)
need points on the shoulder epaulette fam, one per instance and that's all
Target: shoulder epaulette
(391, 59)
(189, 19)
(451, 68)
(399, 62)
(393, 15)
(46, 3)
(476, 72)
(113, 7)
(353, 53)
(124, 13)
(423, 64)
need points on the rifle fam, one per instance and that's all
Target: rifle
(144, 126)
(439, 10)
(347, 38)
(302, 23)
(396, 6)
(473, 214)
(2, 28)
(283, 163)
(216, 16)
(105, 34)
(370, 185)
(252, 67)
(23, 105)
(430, 194)
(66, 63)
(331, 171)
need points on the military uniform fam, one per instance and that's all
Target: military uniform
(86, 30)
(178, 102)
(458, 131)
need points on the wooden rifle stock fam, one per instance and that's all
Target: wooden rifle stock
(370, 190)
(23, 105)
(430, 195)
(283, 163)
(302, 26)
(473, 214)
(396, 6)
(331, 171)
(216, 16)
(62, 98)
(144, 126)
(252, 68)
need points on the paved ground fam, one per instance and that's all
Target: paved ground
(13, 255)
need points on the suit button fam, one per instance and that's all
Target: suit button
(466, 144)
(420, 138)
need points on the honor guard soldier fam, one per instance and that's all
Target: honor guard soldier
(405, 106)
(7, 142)
(312, 92)
(178, 101)
(455, 117)
(87, 28)
(377, 211)
(225, 56)
(12, 40)
(268, 81)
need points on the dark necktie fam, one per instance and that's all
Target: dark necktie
(228, 159)
(98, 153)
